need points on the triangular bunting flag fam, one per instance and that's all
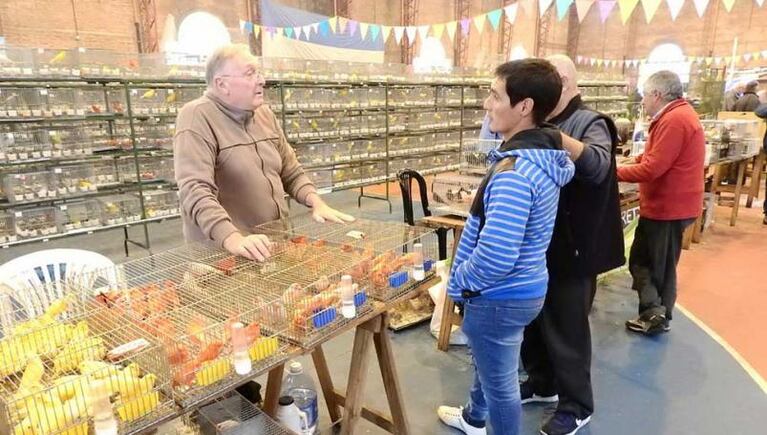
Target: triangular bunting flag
(727, 60)
(375, 29)
(288, 31)
(351, 26)
(324, 28)
(728, 4)
(599, 62)
(700, 7)
(562, 7)
(764, 54)
(479, 22)
(465, 26)
(333, 23)
(709, 60)
(297, 31)
(423, 32)
(342, 23)
(543, 6)
(605, 7)
(579, 59)
(674, 7)
(411, 32)
(437, 30)
(755, 55)
(582, 7)
(249, 27)
(256, 30)
(650, 8)
(451, 26)
(242, 26)
(307, 31)
(511, 12)
(271, 31)
(717, 60)
(760, 3)
(527, 7)
(398, 31)
(315, 27)
(626, 7)
(635, 63)
(364, 30)
(495, 18)
(385, 33)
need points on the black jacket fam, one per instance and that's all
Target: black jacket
(588, 232)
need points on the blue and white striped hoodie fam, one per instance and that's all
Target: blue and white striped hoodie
(507, 258)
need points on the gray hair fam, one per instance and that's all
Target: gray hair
(666, 83)
(220, 56)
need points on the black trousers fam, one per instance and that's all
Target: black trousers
(556, 350)
(652, 263)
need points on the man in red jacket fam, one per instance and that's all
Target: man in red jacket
(670, 177)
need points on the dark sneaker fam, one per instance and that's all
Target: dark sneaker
(564, 423)
(649, 325)
(666, 325)
(764, 221)
(528, 395)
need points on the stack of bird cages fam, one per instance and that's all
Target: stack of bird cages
(65, 360)
(298, 284)
(474, 153)
(381, 257)
(190, 310)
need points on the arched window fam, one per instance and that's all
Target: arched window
(666, 56)
(432, 57)
(200, 33)
(518, 53)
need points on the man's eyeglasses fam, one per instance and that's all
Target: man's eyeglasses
(251, 75)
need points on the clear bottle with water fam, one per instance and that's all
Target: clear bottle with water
(348, 309)
(419, 273)
(300, 386)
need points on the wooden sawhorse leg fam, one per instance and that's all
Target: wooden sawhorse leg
(374, 330)
(448, 307)
(738, 188)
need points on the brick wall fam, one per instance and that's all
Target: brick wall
(109, 24)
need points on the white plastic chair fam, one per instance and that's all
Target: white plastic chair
(28, 284)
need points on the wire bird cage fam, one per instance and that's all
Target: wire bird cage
(189, 310)
(454, 193)
(53, 355)
(231, 414)
(380, 256)
(474, 154)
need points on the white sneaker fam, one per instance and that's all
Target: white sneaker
(453, 417)
(457, 337)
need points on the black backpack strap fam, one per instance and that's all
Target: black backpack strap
(478, 205)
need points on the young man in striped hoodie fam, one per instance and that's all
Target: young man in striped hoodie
(499, 271)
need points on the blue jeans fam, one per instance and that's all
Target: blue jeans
(495, 330)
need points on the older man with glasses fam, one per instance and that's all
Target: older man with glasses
(233, 163)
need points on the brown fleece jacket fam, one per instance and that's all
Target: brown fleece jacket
(233, 168)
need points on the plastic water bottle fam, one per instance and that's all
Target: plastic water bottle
(290, 416)
(418, 271)
(240, 356)
(348, 309)
(104, 422)
(300, 387)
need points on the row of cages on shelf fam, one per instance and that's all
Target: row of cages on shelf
(29, 142)
(34, 102)
(80, 62)
(86, 215)
(344, 151)
(611, 108)
(136, 340)
(355, 175)
(371, 97)
(729, 139)
(317, 125)
(76, 180)
(616, 90)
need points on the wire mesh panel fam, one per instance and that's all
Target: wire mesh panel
(232, 414)
(190, 310)
(453, 193)
(50, 365)
(474, 154)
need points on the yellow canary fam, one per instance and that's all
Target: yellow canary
(128, 386)
(33, 374)
(212, 371)
(98, 369)
(59, 57)
(67, 387)
(13, 356)
(149, 94)
(76, 352)
(137, 407)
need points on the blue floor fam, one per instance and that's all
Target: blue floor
(681, 382)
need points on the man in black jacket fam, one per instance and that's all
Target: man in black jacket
(587, 240)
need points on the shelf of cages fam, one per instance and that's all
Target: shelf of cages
(66, 361)
(474, 154)
(731, 139)
(212, 328)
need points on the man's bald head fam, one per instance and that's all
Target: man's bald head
(569, 75)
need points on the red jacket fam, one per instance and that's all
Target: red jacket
(670, 171)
